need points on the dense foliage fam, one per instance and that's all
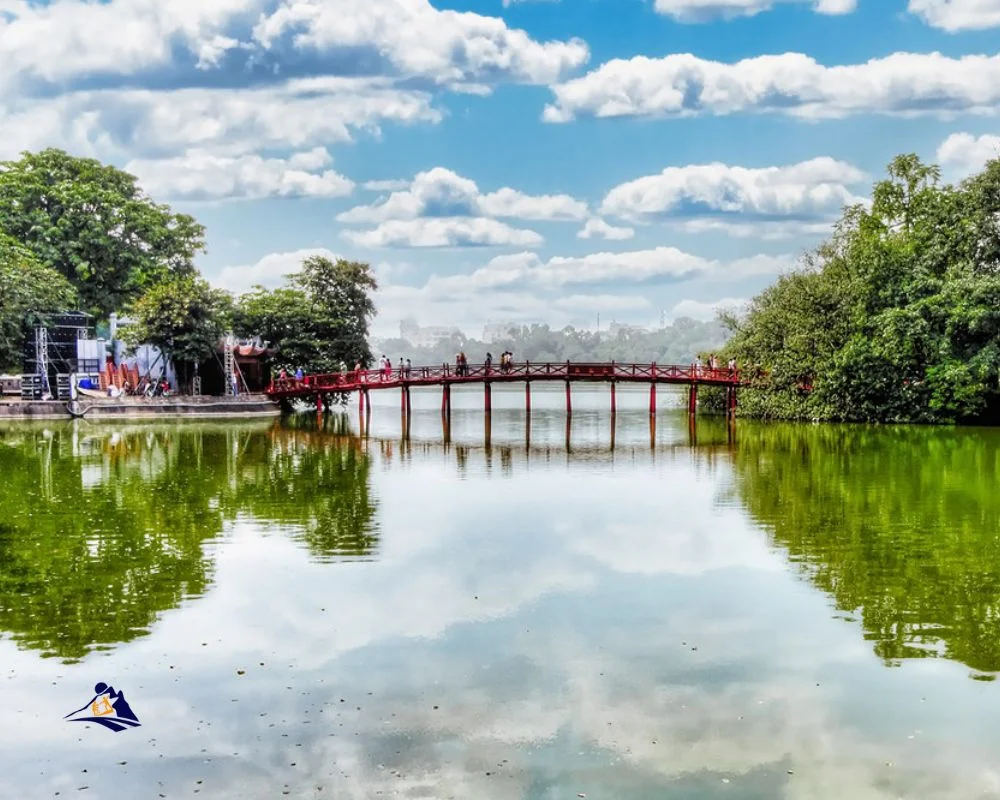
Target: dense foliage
(28, 289)
(185, 318)
(895, 319)
(93, 224)
(319, 320)
(677, 343)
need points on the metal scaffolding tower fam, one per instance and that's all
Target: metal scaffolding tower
(229, 365)
(42, 357)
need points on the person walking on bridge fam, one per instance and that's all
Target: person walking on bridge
(489, 362)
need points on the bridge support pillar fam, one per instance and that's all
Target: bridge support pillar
(693, 398)
(368, 405)
(569, 399)
(652, 399)
(731, 401)
(614, 400)
(361, 403)
(319, 403)
(446, 401)
(487, 397)
(527, 397)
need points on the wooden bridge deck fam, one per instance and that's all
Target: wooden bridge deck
(479, 373)
(322, 387)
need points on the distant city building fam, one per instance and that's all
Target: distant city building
(620, 327)
(499, 330)
(428, 336)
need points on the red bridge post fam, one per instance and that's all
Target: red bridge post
(652, 389)
(446, 401)
(527, 398)
(488, 398)
(693, 398)
(569, 399)
(614, 402)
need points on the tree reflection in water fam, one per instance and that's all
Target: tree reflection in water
(899, 525)
(101, 531)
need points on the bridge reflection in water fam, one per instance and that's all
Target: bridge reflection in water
(525, 434)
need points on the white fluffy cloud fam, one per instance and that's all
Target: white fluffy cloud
(700, 310)
(957, 15)
(602, 302)
(597, 228)
(444, 232)
(201, 175)
(385, 186)
(377, 55)
(768, 230)
(966, 153)
(295, 114)
(270, 271)
(792, 83)
(661, 263)
(699, 10)
(70, 39)
(442, 209)
(439, 192)
(419, 40)
(705, 197)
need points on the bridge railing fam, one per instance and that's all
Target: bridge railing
(354, 379)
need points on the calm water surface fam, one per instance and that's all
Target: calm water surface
(780, 612)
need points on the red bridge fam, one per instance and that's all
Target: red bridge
(322, 387)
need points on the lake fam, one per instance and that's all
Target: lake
(509, 612)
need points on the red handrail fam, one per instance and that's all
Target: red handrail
(354, 380)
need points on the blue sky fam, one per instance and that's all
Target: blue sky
(534, 160)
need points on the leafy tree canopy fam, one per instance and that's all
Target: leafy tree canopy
(896, 318)
(28, 290)
(184, 317)
(320, 319)
(93, 224)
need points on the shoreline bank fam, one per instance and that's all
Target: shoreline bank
(245, 407)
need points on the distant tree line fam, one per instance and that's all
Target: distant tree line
(676, 343)
(896, 318)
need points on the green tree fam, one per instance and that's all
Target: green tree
(320, 320)
(285, 318)
(93, 224)
(340, 296)
(185, 318)
(895, 319)
(28, 290)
